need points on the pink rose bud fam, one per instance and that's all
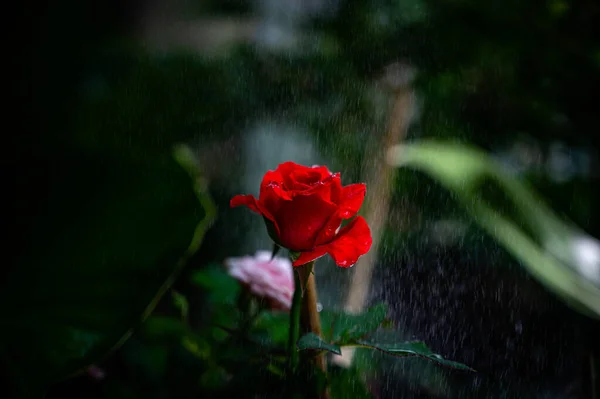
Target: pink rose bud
(272, 279)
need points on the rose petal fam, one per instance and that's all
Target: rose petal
(272, 197)
(350, 201)
(301, 220)
(284, 170)
(245, 200)
(300, 178)
(304, 178)
(306, 257)
(352, 241)
(323, 170)
(326, 187)
(273, 181)
(265, 277)
(256, 206)
(272, 175)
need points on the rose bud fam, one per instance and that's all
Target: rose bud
(267, 278)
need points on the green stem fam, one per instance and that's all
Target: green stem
(294, 333)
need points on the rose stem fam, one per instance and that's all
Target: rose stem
(310, 321)
(294, 333)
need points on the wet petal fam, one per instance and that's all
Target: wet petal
(306, 257)
(286, 170)
(256, 206)
(301, 220)
(351, 199)
(245, 200)
(353, 241)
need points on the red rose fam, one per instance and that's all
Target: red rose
(304, 208)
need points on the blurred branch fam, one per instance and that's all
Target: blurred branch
(380, 179)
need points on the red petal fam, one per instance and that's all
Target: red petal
(291, 179)
(301, 220)
(302, 179)
(308, 176)
(245, 200)
(285, 170)
(352, 241)
(306, 257)
(254, 205)
(299, 178)
(323, 170)
(323, 188)
(350, 200)
(271, 179)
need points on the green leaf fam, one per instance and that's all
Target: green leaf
(347, 383)
(164, 328)
(313, 341)
(342, 328)
(214, 378)
(103, 241)
(197, 345)
(415, 348)
(512, 213)
(181, 303)
(271, 328)
(220, 286)
(150, 361)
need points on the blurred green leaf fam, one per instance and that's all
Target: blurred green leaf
(181, 303)
(511, 213)
(198, 345)
(108, 240)
(164, 328)
(313, 341)
(347, 383)
(150, 361)
(220, 286)
(407, 349)
(214, 378)
(271, 328)
(341, 327)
